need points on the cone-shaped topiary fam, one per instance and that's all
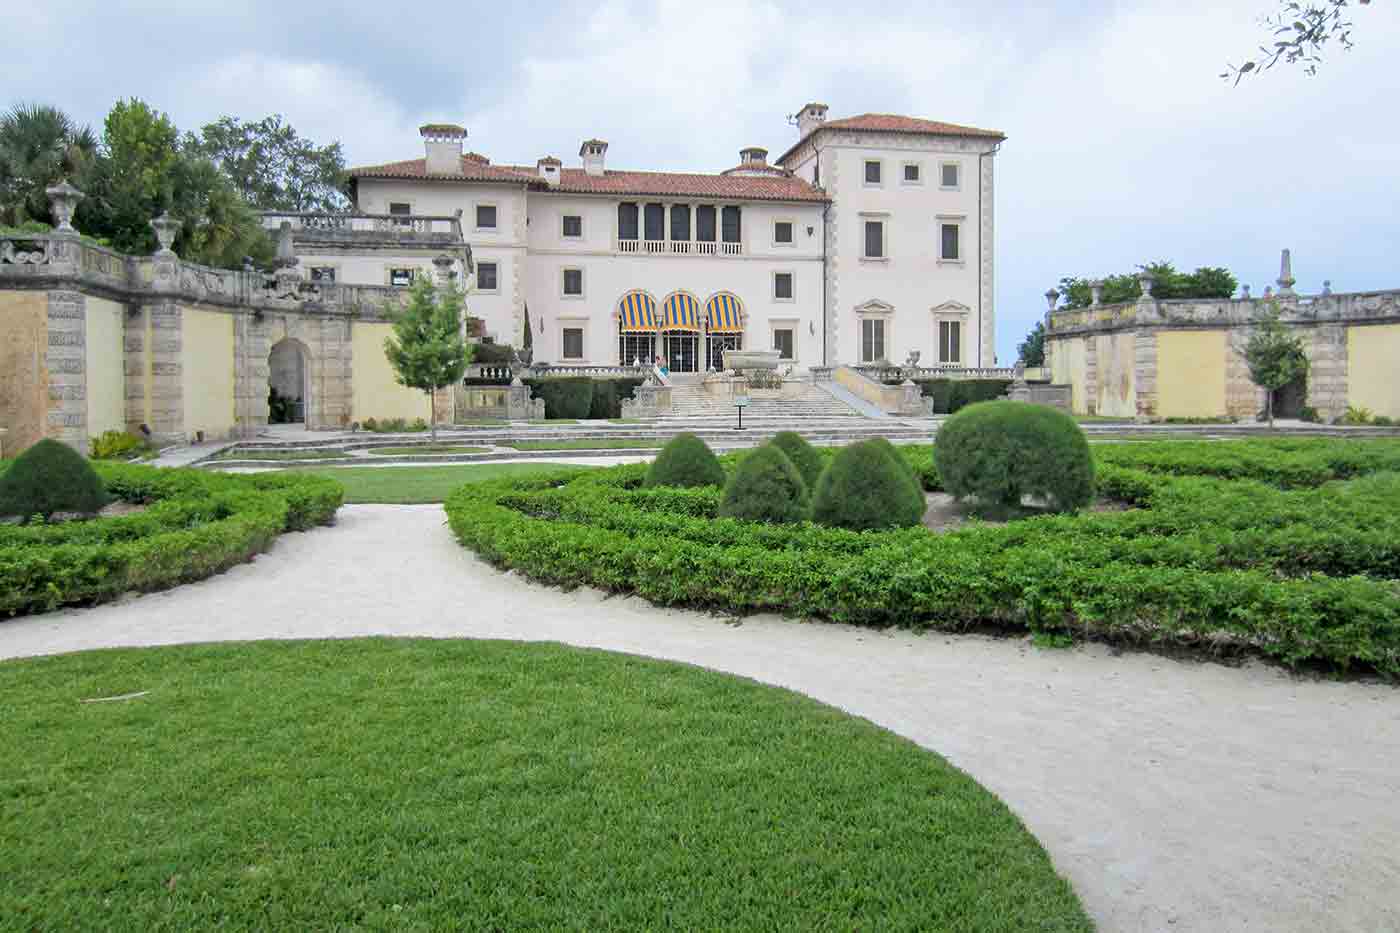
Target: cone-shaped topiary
(50, 477)
(685, 461)
(865, 487)
(916, 485)
(766, 487)
(1001, 451)
(803, 455)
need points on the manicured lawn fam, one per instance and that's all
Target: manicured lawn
(381, 784)
(615, 443)
(627, 421)
(232, 453)
(425, 449)
(416, 484)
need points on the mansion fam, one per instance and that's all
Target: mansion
(868, 238)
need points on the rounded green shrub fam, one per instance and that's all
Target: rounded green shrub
(51, 477)
(685, 461)
(916, 486)
(766, 487)
(1000, 451)
(803, 455)
(866, 487)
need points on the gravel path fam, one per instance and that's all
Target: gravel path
(1175, 796)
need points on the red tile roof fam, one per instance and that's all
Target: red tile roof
(779, 187)
(894, 123)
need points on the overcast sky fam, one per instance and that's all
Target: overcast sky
(1124, 144)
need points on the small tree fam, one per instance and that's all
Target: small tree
(1275, 357)
(427, 350)
(527, 343)
(1032, 351)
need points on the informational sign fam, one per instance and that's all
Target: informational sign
(741, 401)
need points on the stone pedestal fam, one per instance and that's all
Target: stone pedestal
(648, 401)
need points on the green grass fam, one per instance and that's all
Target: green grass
(482, 423)
(379, 784)
(627, 421)
(410, 485)
(232, 453)
(614, 443)
(426, 449)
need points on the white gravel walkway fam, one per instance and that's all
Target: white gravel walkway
(1175, 796)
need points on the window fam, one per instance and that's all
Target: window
(400, 208)
(655, 217)
(486, 280)
(949, 176)
(872, 171)
(911, 173)
(782, 232)
(729, 224)
(400, 276)
(874, 239)
(784, 342)
(680, 222)
(486, 217)
(872, 340)
(950, 341)
(573, 343)
(627, 221)
(782, 286)
(325, 274)
(705, 224)
(573, 283)
(949, 245)
(573, 226)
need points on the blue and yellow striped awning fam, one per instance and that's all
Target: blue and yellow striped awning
(680, 312)
(724, 315)
(636, 313)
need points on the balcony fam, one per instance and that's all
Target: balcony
(365, 229)
(678, 247)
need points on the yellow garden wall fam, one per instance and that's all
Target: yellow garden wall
(375, 393)
(1373, 368)
(1191, 373)
(106, 376)
(1067, 368)
(1117, 394)
(24, 374)
(207, 373)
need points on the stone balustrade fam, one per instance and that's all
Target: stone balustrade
(900, 373)
(315, 225)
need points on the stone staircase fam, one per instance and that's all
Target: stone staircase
(692, 403)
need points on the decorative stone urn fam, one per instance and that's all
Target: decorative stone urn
(166, 227)
(63, 201)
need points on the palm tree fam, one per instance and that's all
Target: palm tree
(39, 145)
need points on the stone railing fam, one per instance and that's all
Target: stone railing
(894, 400)
(310, 225)
(677, 247)
(500, 373)
(900, 373)
(1339, 308)
(598, 372)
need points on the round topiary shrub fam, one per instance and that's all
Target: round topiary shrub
(766, 487)
(685, 461)
(51, 477)
(864, 488)
(916, 485)
(803, 455)
(1000, 451)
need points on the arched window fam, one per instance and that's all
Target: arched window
(724, 328)
(636, 329)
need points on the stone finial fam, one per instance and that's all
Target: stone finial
(1052, 298)
(166, 227)
(1145, 280)
(1244, 292)
(1268, 291)
(286, 250)
(63, 201)
(1096, 292)
(1285, 274)
(1326, 286)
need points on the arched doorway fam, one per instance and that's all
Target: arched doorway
(724, 328)
(636, 329)
(289, 385)
(680, 332)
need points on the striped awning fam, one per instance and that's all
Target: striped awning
(636, 313)
(724, 315)
(680, 312)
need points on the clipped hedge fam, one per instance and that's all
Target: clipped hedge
(685, 461)
(868, 485)
(50, 477)
(998, 452)
(1307, 574)
(952, 395)
(577, 397)
(766, 487)
(803, 455)
(608, 395)
(197, 524)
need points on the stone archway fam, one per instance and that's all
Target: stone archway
(289, 382)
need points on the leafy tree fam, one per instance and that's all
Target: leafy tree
(427, 350)
(1032, 349)
(1275, 356)
(39, 146)
(1300, 31)
(1168, 283)
(273, 167)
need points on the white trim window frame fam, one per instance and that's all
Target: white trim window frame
(563, 223)
(564, 284)
(788, 324)
(943, 175)
(792, 286)
(918, 178)
(321, 267)
(869, 346)
(564, 326)
(950, 333)
(481, 287)
(879, 181)
(389, 270)
(791, 241)
(956, 222)
(883, 219)
(495, 217)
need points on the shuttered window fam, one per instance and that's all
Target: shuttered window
(627, 221)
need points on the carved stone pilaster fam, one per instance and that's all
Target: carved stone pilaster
(66, 361)
(1145, 374)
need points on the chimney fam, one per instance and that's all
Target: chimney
(442, 143)
(753, 157)
(593, 152)
(548, 169)
(809, 118)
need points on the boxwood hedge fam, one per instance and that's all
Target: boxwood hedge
(1294, 555)
(196, 524)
